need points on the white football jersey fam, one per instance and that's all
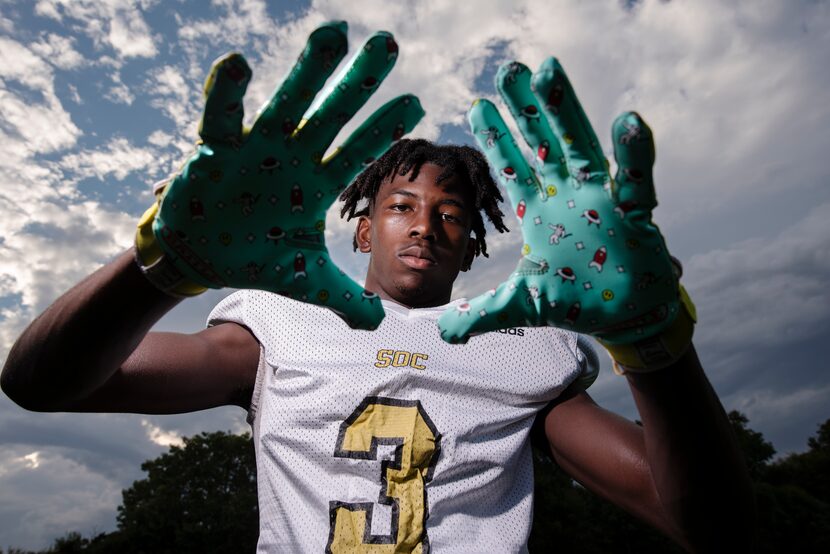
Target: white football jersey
(394, 440)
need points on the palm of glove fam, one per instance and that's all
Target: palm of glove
(592, 260)
(248, 208)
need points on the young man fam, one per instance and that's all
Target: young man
(391, 440)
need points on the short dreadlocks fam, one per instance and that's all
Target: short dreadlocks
(409, 155)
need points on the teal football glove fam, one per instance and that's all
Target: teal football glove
(592, 260)
(248, 209)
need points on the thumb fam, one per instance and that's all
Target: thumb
(511, 304)
(330, 287)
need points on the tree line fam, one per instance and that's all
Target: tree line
(201, 497)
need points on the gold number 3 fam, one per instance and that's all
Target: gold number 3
(405, 425)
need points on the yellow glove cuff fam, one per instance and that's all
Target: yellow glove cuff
(154, 264)
(658, 351)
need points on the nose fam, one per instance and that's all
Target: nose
(423, 227)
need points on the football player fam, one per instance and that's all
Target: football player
(402, 438)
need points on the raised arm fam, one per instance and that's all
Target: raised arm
(594, 262)
(90, 351)
(681, 471)
(247, 210)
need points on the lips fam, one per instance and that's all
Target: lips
(417, 257)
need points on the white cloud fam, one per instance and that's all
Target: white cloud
(47, 8)
(244, 17)
(749, 292)
(59, 51)
(170, 82)
(175, 97)
(130, 36)
(74, 95)
(444, 46)
(118, 158)
(49, 249)
(20, 64)
(720, 84)
(32, 460)
(160, 138)
(43, 125)
(83, 462)
(42, 493)
(776, 405)
(118, 24)
(33, 190)
(7, 25)
(159, 436)
(701, 75)
(119, 93)
(24, 182)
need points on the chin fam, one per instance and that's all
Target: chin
(419, 293)
(409, 291)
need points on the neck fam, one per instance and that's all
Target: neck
(409, 298)
(414, 305)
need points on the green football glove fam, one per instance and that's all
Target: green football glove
(248, 209)
(592, 260)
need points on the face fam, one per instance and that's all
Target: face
(418, 234)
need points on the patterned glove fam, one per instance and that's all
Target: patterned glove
(248, 209)
(593, 261)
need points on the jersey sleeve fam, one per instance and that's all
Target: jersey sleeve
(586, 357)
(234, 309)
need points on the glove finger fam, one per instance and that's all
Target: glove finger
(325, 284)
(509, 305)
(362, 78)
(504, 156)
(576, 136)
(324, 50)
(634, 153)
(224, 88)
(388, 124)
(513, 83)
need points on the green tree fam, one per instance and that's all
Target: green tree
(200, 497)
(756, 450)
(791, 494)
(69, 544)
(810, 471)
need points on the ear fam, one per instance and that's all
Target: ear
(363, 234)
(470, 255)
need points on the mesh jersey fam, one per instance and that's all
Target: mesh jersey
(394, 438)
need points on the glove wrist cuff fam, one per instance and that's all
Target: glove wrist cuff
(156, 267)
(659, 351)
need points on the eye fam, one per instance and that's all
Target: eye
(399, 207)
(450, 217)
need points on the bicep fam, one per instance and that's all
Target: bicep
(175, 373)
(605, 453)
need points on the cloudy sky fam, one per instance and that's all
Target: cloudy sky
(100, 98)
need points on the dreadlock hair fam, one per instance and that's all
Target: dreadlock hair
(410, 155)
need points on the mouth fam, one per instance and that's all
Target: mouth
(417, 257)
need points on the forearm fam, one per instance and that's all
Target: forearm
(83, 337)
(697, 469)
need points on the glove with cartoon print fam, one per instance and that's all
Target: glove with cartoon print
(248, 209)
(592, 261)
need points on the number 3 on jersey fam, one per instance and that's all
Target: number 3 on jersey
(404, 425)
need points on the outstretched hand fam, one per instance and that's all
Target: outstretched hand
(248, 209)
(592, 260)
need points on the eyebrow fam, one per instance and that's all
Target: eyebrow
(450, 201)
